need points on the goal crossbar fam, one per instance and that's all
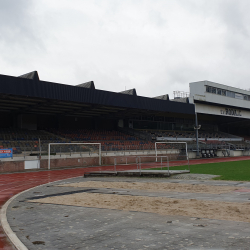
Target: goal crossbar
(77, 143)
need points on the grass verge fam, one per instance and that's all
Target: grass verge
(233, 171)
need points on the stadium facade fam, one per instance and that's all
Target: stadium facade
(29, 103)
(33, 109)
(227, 107)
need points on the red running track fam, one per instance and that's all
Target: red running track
(11, 184)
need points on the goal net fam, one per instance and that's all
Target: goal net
(141, 162)
(176, 151)
(73, 154)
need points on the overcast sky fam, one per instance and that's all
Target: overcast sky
(155, 46)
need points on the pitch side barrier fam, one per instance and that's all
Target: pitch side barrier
(131, 162)
(143, 162)
(177, 150)
(82, 146)
(146, 162)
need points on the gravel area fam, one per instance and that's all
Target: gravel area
(42, 226)
(193, 176)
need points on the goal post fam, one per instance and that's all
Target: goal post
(150, 162)
(177, 150)
(80, 148)
(142, 162)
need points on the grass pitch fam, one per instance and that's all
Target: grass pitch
(233, 171)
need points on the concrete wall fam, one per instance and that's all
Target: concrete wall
(19, 166)
(218, 110)
(236, 152)
(69, 162)
(11, 166)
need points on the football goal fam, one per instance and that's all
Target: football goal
(176, 151)
(74, 154)
(140, 162)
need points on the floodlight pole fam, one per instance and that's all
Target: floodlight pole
(100, 155)
(155, 152)
(40, 152)
(196, 133)
(49, 156)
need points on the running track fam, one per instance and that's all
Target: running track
(11, 184)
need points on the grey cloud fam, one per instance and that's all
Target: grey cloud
(111, 81)
(235, 17)
(154, 46)
(15, 18)
(18, 35)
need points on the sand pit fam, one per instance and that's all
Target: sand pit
(156, 187)
(160, 205)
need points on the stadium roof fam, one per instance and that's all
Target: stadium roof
(32, 75)
(163, 97)
(89, 85)
(184, 99)
(28, 94)
(129, 92)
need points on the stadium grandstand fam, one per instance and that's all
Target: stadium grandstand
(213, 119)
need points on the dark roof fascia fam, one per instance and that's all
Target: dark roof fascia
(49, 90)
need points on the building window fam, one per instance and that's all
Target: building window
(227, 93)
(209, 89)
(230, 94)
(239, 96)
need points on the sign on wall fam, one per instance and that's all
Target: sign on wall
(6, 153)
(218, 110)
(232, 112)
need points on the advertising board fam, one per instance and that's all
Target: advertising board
(6, 153)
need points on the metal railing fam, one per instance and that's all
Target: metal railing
(144, 149)
(138, 161)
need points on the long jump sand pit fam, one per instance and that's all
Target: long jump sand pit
(233, 211)
(160, 205)
(158, 187)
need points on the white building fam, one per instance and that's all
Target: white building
(229, 107)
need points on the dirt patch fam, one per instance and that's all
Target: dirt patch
(160, 205)
(152, 186)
